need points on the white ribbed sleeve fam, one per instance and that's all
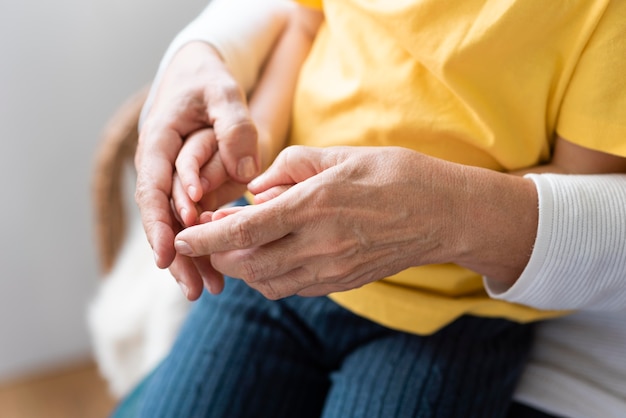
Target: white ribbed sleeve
(242, 31)
(579, 257)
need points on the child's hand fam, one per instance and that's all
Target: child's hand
(201, 181)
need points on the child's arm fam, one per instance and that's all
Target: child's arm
(569, 158)
(271, 101)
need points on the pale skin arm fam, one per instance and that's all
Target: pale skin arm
(202, 181)
(271, 103)
(330, 231)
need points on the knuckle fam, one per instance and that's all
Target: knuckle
(240, 233)
(230, 88)
(140, 191)
(145, 193)
(224, 90)
(291, 152)
(148, 127)
(249, 274)
(335, 273)
(268, 290)
(241, 130)
(245, 129)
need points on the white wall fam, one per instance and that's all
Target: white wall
(64, 68)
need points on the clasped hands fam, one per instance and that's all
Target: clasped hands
(324, 220)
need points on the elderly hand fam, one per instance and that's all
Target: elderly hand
(196, 92)
(333, 219)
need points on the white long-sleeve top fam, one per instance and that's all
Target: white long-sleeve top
(578, 364)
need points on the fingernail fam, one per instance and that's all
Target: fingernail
(191, 192)
(183, 248)
(246, 167)
(207, 283)
(255, 182)
(184, 288)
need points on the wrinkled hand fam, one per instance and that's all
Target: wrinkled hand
(329, 220)
(196, 92)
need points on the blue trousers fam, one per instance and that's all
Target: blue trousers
(241, 355)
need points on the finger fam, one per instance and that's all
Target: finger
(302, 282)
(294, 282)
(213, 280)
(235, 132)
(323, 289)
(214, 173)
(226, 193)
(224, 212)
(154, 161)
(261, 263)
(293, 165)
(198, 149)
(222, 189)
(250, 227)
(183, 205)
(270, 194)
(205, 217)
(186, 274)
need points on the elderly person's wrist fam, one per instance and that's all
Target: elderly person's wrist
(496, 224)
(574, 209)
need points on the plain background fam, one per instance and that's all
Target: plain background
(65, 66)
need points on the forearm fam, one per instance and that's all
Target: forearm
(243, 33)
(579, 255)
(272, 99)
(574, 262)
(495, 223)
(550, 241)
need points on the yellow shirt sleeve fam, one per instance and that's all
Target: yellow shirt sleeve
(593, 112)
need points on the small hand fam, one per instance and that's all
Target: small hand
(201, 182)
(200, 167)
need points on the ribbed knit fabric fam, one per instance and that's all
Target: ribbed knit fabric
(577, 367)
(578, 260)
(241, 355)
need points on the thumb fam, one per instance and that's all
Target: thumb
(293, 165)
(237, 139)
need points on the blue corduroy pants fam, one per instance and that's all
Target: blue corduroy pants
(241, 355)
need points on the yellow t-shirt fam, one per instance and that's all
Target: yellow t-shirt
(475, 82)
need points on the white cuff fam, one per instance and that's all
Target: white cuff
(579, 257)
